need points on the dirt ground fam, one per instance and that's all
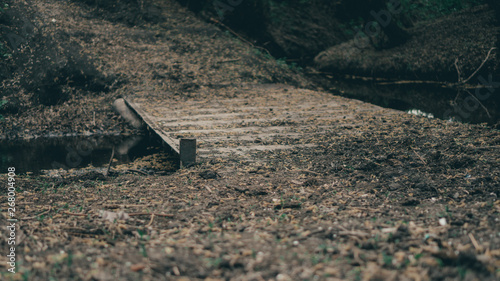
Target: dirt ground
(394, 197)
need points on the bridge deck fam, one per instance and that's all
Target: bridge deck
(253, 119)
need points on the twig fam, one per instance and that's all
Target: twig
(459, 79)
(308, 171)
(75, 214)
(227, 61)
(137, 171)
(384, 82)
(456, 97)
(147, 214)
(481, 66)
(42, 213)
(412, 82)
(474, 242)
(151, 221)
(110, 161)
(421, 158)
(354, 233)
(480, 103)
(116, 206)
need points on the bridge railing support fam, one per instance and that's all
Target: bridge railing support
(187, 152)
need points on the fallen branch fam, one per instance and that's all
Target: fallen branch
(40, 214)
(110, 161)
(460, 81)
(481, 66)
(412, 82)
(137, 171)
(83, 231)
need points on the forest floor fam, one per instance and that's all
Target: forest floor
(381, 197)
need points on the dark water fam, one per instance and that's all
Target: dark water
(74, 152)
(474, 106)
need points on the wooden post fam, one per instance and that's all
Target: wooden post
(187, 149)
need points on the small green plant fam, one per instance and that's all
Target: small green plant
(69, 258)
(462, 271)
(3, 7)
(215, 262)
(281, 62)
(143, 250)
(292, 66)
(315, 259)
(3, 102)
(283, 217)
(354, 274)
(387, 259)
(26, 275)
(4, 52)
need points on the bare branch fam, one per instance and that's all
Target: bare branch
(459, 79)
(481, 66)
(480, 103)
(110, 161)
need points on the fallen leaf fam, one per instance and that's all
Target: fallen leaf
(137, 267)
(112, 216)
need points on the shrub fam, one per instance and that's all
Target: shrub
(422, 10)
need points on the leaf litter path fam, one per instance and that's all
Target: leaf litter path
(358, 193)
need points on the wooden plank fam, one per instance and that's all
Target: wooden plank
(152, 123)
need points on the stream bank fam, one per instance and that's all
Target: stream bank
(325, 40)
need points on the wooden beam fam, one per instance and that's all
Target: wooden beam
(152, 123)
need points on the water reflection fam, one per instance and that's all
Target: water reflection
(426, 100)
(48, 153)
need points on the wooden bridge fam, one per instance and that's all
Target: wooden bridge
(250, 121)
